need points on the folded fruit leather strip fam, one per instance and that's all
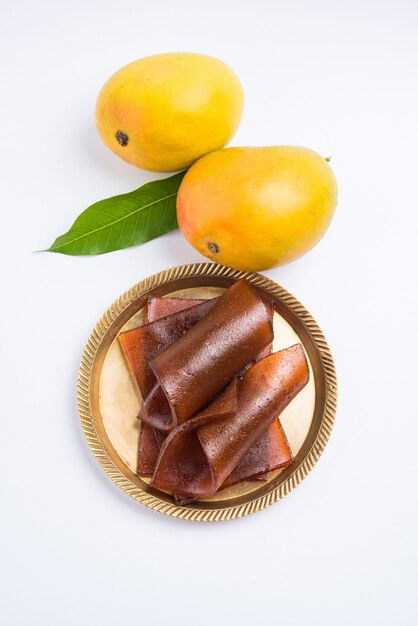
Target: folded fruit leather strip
(155, 308)
(150, 439)
(141, 344)
(199, 455)
(204, 360)
(269, 453)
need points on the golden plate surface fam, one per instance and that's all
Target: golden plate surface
(108, 401)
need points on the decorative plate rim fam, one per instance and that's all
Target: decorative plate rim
(152, 501)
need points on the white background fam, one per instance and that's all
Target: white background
(339, 77)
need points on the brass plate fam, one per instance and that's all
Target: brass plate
(108, 403)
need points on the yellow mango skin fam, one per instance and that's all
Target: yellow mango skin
(172, 108)
(255, 208)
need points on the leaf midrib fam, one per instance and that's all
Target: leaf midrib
(91, 232)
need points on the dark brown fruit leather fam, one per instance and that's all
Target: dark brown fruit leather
(203, 361)
(148, 450)
(141, 344)
(271, 452)
(156, 308)
(199, 455)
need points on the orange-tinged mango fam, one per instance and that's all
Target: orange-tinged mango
(255, 208)
(163, 112)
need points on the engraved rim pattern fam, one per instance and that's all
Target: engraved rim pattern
(193, 512)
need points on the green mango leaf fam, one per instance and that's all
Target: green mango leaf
(123, 221)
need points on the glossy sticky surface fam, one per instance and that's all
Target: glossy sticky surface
(205, 359)
(142, 344)
(269, 453)
(267, 388)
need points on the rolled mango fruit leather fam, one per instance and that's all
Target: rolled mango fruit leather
(269, 453)
(204, 360)
(199, 455)
(141, 344)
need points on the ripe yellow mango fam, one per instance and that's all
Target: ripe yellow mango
(255, 208)
(163, 112)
